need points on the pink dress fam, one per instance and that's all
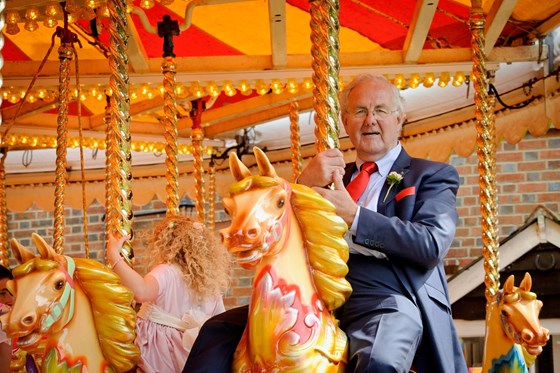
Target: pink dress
(161, 347)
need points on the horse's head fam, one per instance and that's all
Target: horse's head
(43, 287)
(259, 207)
(519, 311)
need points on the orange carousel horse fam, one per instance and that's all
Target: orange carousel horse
(73, 307)
(294, 240)
(514, 335)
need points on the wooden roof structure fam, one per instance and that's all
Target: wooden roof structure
(250, 59)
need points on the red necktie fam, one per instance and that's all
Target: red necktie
(357, 186)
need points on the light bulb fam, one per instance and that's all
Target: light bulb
(12, 28)
(12, 17)
(147, 4)
(31, 25)
(429, 79)
(414, 81)
(443, 79)
(50, 22)
(245, 87)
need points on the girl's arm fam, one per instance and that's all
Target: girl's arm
(145, 289)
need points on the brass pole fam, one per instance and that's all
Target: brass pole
(295, 140)
(325, 63)
(110, 198)
(486, 152)
(170, 118)
(197, 135)
(4, 254)
(211, 194)
(65, 54)
(167, 29)
(120, 125)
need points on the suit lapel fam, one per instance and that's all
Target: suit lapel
(348, 171)
(401, 166)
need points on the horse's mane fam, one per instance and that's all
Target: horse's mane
(113, 316)
(323, 233)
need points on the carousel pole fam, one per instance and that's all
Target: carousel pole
(120, 154)
(197, 136)
(295, 140)
(110, 198)
(486, 151)
(167, 29)
(65, 53)
(4, 254)
(211, 194)
(325, 62)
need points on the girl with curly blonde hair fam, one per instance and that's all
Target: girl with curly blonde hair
(185, 287)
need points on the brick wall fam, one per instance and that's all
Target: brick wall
(528, 175)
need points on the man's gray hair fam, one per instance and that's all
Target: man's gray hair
(343, 97)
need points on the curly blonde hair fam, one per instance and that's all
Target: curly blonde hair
(203, 260)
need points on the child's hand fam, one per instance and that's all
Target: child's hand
(114, 246)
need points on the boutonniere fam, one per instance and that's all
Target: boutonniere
(393, 179)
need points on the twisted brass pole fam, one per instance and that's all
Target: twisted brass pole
(170, 118)
(295, 140)
(325, 62)
(120, 124)
(197, 135)
(486, 151)
(211, 194)
(65, 54)
(4, 254)
(110, 198)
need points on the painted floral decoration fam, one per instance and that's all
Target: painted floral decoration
(393, 179)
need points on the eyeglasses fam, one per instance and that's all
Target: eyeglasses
(379, 113)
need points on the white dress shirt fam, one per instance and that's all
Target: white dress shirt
(371, 196)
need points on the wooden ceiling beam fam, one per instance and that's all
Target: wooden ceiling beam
(27, 109)
(246, 119)
(418, 31)
(547, 26)
(277, 21)
(496, 20)
(254, 67)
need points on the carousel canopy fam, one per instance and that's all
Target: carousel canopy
(248, 60)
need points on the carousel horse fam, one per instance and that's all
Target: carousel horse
(294, 240)
(514, 335)
(75, 308)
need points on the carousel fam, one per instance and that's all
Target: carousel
(112, 105)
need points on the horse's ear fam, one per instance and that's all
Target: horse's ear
(21, 253)
(238, 170)
(508, 285)
(526, 283)
(264, 164)
(46, 251)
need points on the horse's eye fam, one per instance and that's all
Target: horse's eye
(281, 203)
(505, 313)
(59, 285)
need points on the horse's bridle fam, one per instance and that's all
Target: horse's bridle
(512, 334)
(274, 233)
(68, 293)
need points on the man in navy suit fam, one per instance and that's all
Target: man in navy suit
(400, 229)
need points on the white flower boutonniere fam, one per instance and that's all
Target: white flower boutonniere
(393, 178)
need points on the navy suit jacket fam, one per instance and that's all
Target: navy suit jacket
(415, 233)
